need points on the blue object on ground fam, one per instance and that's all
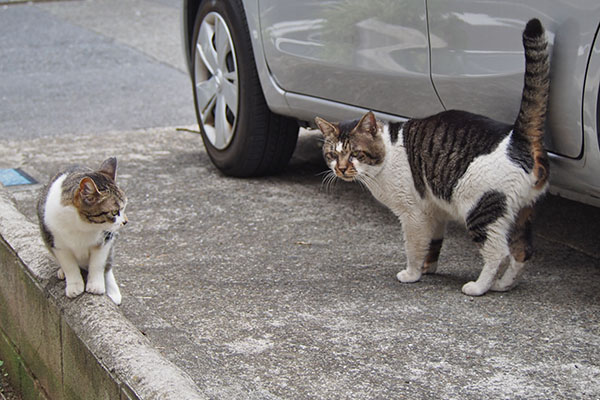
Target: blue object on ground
(14, 176)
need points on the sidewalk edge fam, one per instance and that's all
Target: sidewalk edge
(82, 348)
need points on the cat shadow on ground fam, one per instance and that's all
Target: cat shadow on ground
(307, 160)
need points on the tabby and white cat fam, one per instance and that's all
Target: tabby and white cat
(456, 165)
(79, 213)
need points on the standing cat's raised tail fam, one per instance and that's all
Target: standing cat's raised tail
(529, 126)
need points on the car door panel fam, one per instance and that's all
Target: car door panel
(478, 61)
(372, 54)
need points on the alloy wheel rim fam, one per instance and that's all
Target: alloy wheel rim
(216, 80)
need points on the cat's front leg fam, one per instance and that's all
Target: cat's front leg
(112, 289)
(70, 269)
(431, 260)
(95, 280)
(435, 246)
(417, 237)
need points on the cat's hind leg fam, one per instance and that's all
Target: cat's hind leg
(495, 252)
(488, 224)
(521, 249)
(510, 278)
(494, 256)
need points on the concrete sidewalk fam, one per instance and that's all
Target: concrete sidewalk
(59, 348)
(55, 348)
(281, 288)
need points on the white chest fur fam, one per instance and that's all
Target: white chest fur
(70, 232)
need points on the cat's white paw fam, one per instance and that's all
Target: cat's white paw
(473, 289)
(74, 289)
(95, 286)
(60, 274)
(407, 276)
(114, 295)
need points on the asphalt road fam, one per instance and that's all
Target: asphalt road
(279, 287)
(82, 66)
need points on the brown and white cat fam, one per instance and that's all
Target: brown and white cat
(79, 213)
(456, 165)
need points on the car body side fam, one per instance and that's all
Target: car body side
(572, 30)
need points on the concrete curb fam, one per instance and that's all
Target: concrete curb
(70, 349)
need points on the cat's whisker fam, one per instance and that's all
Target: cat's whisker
(326, 176)
(369, 181)
(330, 181)
(362, 181)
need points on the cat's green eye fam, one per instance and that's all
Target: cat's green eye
(356, 154)
(115, 213)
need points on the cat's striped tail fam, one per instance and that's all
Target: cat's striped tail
(532, 114)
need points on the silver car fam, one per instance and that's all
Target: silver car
(260, 68)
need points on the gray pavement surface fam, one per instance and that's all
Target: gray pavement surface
(78, 66)
(279, 287)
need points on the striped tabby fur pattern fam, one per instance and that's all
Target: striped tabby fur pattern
(80, 212)
(456, 165)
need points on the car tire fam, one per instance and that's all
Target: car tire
(242, 136)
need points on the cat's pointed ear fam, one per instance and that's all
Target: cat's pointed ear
(327, 128)
(109, 168)
(88, 191)
(368, 124)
